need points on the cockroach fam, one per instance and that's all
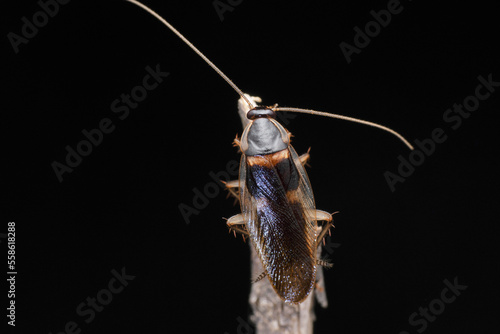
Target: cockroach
(278, 212)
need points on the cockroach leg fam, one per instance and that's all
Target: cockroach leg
(323, 232)
(323, 216)
(304, 158)
(233, 188)
(236, 142)
(324, 263)
(235, 220)
(237, 224)
(260, 277)
(240, 230)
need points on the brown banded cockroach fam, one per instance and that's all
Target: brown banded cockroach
(277, 203)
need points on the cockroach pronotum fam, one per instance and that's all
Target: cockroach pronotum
(277, 203)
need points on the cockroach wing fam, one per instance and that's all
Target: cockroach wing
(278, 207)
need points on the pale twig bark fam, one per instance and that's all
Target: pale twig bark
(270, 314)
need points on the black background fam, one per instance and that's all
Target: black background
(119, 207)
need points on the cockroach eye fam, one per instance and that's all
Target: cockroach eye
(261, 112)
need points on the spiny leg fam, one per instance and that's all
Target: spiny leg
(304, 158)
(260, 277)
(233, 188)
(324, 216)
(324, 263)
(234, 185)
(237, 143)
(237, 224)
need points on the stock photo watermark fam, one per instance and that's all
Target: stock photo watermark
(363, 37)
(201, 198)
(11, 272)
(243, 327)
(88, 308)
(454, 118)
(222, 7)
(121, 107)
(425, 315)
(330, 246)
(30, 28)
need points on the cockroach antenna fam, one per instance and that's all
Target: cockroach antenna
(185, 40)
(249, 102)
(346, 118)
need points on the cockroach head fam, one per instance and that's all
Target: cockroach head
(261, 112)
